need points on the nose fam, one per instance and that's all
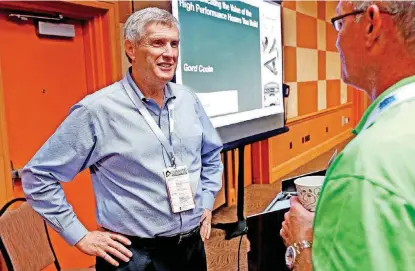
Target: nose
(338, 41)
(168, 51)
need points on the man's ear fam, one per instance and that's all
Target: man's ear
(129, 48)
(374, 25)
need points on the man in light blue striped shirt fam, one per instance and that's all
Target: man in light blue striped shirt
(109, 133)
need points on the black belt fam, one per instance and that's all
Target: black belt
(163, 240)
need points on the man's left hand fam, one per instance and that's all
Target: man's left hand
(298, 224)
(205, 227)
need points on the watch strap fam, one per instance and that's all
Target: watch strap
(301, 245)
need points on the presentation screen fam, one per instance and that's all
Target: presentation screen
(231, 57)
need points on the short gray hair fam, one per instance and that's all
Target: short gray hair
(404, 16)
(136, 24)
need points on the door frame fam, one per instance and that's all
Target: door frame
(102, 56)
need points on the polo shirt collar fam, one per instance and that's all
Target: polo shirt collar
(374, 104)
(168, 92)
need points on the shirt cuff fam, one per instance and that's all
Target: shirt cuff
(208, 200)
(74, 233)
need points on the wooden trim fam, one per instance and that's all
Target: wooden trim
(256, 163)
(101, 38)
(115, 43)
(230, 186)
(260, 162)
(125, 9)
(317, 114)
(103, 62)
(265, 162)
(102, 55)
(248, 166)
(261, 173)
(285, 168)
(367, 101)
(357, 106)
(6, 189)
(103, 5)
(221, 196)
(235, 168)
(232, 167)
(97, 55)
(82, 10)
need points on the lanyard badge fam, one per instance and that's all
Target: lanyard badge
(179, 189)
(177, 177)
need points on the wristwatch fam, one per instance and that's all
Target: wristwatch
(294, 250)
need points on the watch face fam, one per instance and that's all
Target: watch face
(290, 255)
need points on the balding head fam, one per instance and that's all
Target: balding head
(376, 41)
(404, 17)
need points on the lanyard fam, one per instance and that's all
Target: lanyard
(150, 121)
(402, 94)
(170, 107)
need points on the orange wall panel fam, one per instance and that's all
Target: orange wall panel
(321, 10)
(307, 37)
(331, 38)
(290, 64)
(350, 94)
(333, 93)
(321, 65)
(289, 4)
(307, 97)
(313, 126)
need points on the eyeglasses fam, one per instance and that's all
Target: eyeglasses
(338, 23)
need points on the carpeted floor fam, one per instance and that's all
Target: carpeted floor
(223, 255)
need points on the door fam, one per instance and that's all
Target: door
(42, 78)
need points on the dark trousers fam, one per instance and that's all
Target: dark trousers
(189, 254)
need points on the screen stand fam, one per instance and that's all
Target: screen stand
(240, 227)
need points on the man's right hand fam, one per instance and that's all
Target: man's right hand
(298, 224)
(102, 244)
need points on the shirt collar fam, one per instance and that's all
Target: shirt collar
(374, 104)
(168, 92)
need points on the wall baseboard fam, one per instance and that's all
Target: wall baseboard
(318, 114)
(285, 168)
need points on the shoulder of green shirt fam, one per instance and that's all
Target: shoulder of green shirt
(373, 105)
(362, 226)
(382, 154)
(379, 161)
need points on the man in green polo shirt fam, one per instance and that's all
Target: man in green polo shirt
(365, 217)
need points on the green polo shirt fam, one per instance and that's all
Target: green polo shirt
(365, 217)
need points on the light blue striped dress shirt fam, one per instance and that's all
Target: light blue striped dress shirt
(106, 133)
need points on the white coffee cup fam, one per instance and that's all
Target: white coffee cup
(308, 189)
